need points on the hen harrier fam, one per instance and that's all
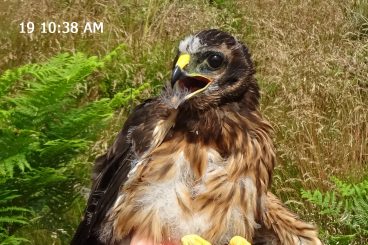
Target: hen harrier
(198, 159)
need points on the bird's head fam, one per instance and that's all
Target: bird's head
(213, 68)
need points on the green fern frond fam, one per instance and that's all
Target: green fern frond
(8, 165)
(84, 121)
(50, 113)
(12, 240)
(49, 89)
(125, 97)
(325, 201)
(10, 77)
(346, 204)
(8, 195)
(62, 147)
(14, 209)
(14, 219)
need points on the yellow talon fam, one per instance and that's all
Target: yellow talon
(193, 239)
(238, 240)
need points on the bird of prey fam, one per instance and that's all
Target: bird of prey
(195, 162)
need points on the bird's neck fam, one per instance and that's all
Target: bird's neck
(212, 126)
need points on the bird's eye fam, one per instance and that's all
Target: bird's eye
(215, 60)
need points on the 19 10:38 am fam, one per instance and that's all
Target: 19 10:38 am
(63, 27)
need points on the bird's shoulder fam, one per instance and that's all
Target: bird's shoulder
(110, 172)
(122, 142)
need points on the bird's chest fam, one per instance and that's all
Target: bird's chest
(186, 189)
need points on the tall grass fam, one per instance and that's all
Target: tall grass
(314, 80)
(311, 60)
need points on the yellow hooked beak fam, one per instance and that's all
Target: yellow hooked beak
(178, 71)
(185, 78)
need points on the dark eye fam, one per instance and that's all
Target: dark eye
(215, 60)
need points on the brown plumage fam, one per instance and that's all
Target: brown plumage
(197, 159)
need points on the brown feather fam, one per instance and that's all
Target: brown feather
(286, 226)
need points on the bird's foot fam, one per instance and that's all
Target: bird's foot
(197, 240)
(238, 240)
(193, 239)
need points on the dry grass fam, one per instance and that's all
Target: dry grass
(311, 59)
(313, 68)
(314, 79)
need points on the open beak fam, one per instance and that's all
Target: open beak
(193, 82)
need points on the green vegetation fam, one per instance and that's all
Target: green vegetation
(47, 120)
(64, 97)
(345, 207)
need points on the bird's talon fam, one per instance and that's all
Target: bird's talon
(238, 240)
(193, 239)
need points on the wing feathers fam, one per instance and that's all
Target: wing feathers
(110, 173)
(280, 226)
